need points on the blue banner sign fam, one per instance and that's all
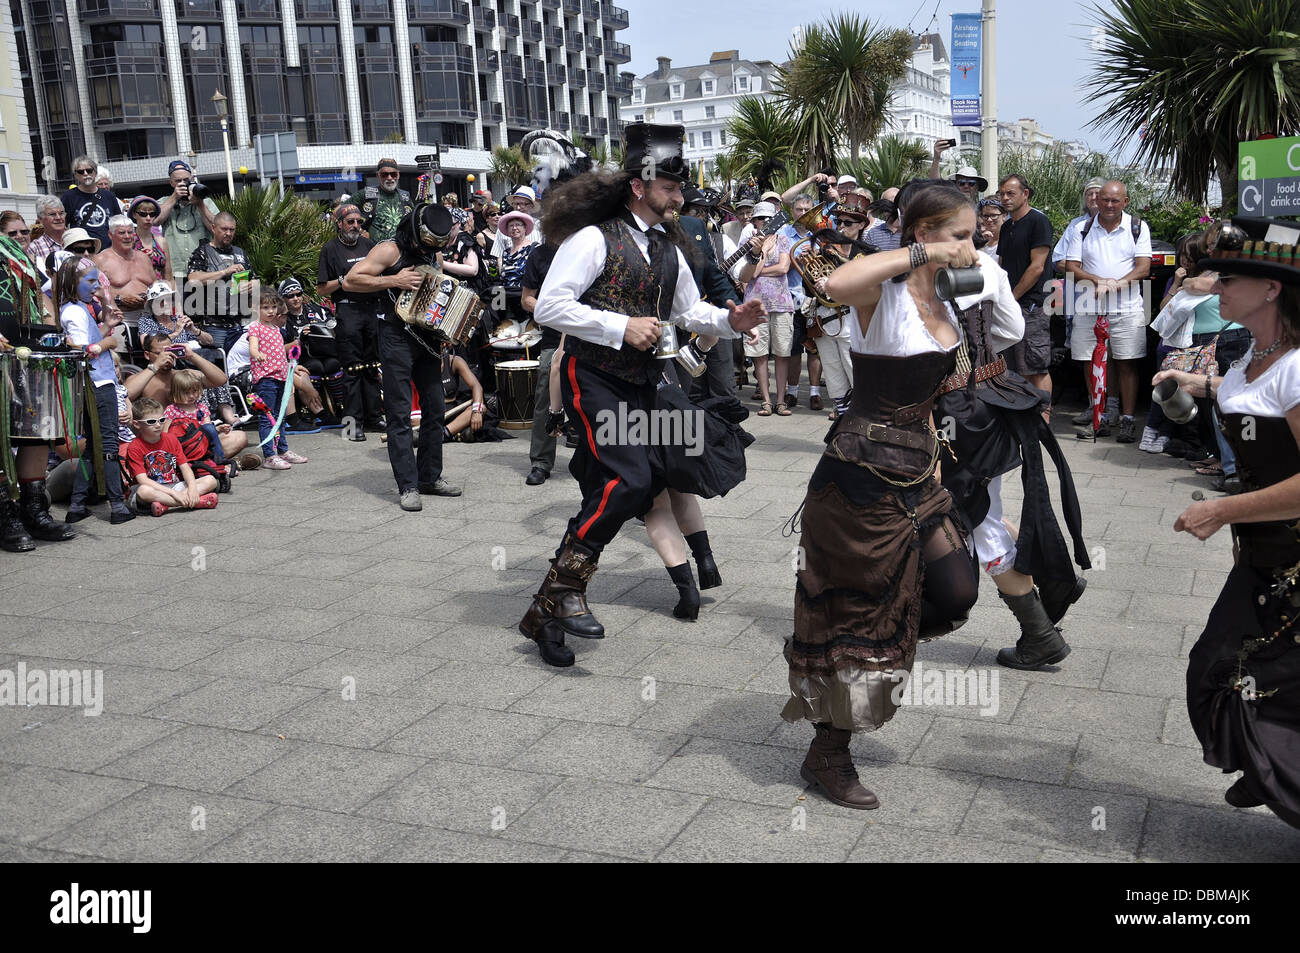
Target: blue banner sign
(326, 178)
(965, 86)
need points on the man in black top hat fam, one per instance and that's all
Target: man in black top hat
(620, 275)
(405, 356)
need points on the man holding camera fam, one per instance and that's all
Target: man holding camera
(187, 216)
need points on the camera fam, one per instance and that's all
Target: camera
(197, 190)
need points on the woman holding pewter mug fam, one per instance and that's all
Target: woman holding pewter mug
(1243, 677)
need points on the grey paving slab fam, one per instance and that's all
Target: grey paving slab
(1146, 769)
(159, 824)
(429, 845)
(620, 819)
(706, 665)
(488, 644)
(464, 797)
(599, 752)
(299, 835)
(167, 650)
(579, 696)
(354, 671)
(362, 722)
(1105, 714)
(996, 750)
(758, 774)
(1140, 674)
(1149, 638)
(1181, 833)
(134, 690)
(896, 741)
(200, 759)
(731, 832)
(326, 777)
(484, 685)
(264, 659)
(1096, 822)
(885, 843)
(235, 703)
(472, 736)
(711, 712)
(292, 623)
(41, 801)
(83, 743)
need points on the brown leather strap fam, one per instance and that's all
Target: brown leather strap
(982, 373)
(879, 433)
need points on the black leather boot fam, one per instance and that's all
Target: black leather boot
(550, 644)
(1240, 794)
(710, 578)
(1040, 642)
(562, 598)
(13, 535)
(829, 766)
(688, 602)
(1059, 594)
(36, 514)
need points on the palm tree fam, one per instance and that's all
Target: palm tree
(762, 133)
(282, 235)
(1193, 78)
(510, 166)
(892, 161)
(838, 82)
(724, 170)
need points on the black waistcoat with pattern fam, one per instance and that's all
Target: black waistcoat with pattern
(628, 285)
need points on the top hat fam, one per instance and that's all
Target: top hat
(431, 224)
(1267, 237)
(652, 150)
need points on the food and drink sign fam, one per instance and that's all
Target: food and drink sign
(1268, 177)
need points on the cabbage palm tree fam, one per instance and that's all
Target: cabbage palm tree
(1190, 79)
(762, 132)
(892, 161)
(838, 82)
(510, 166)
(282, 235)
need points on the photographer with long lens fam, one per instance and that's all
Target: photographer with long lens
(187, 217)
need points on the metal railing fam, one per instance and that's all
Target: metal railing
(573, 42)
(492, 112)
(613, 16)
(620, 52)
(556, 73)
(441, 11)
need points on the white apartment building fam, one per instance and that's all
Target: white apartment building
(701, 98)
(921, 108)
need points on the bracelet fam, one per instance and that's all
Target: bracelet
(476, 408)
(919, 255)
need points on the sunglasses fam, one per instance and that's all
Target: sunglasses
(493, 214)
(352, 221)
(86, 171)
(294, 294)
(151, 421)
(82, 248)
(19, 231)
(968, 182)
(141, 213)
(389, 175)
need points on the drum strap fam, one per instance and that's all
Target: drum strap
(11, 476)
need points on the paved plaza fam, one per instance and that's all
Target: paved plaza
(307, 673)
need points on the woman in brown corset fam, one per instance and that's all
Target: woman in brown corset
(1243, 674)
(878, 538)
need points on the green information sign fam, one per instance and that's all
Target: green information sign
(1268, 177)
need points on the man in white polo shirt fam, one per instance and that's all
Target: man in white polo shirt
(1108, 259)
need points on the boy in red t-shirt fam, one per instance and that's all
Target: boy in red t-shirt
(162, 474)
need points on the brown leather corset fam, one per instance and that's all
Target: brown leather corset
(887, 428)
(1266, 454)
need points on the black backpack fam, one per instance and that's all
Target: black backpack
(1135, 226)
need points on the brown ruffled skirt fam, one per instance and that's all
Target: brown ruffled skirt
(858, 598)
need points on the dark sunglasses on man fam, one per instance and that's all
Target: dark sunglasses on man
(18, 231)
(86, 171)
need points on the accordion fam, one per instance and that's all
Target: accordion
(442, 304)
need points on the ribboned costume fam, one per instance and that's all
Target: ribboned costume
(872, 507)
(602, 275)
(1243, 674)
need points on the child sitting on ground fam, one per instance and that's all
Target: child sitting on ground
(269, 373)
(190, 422)
(162, 474)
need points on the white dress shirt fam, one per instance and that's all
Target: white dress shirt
(580, 260)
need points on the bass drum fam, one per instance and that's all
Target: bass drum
(516, 388)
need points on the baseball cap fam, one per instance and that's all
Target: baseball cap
(770, 196)
(845, 180)
(178, 164)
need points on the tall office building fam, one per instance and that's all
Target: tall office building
(131, 82)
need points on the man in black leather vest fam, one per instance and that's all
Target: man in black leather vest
(615, 282)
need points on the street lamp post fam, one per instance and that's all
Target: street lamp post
(219, 101)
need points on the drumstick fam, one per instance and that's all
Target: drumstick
(451, 414)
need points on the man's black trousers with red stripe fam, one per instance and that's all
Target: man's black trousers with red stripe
(615, 478)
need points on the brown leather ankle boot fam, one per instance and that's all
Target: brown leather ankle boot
(562, 598)
(829, 766)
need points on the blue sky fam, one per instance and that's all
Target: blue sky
(1043, 53)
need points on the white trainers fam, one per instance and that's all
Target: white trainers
(1149, 435)
(277, 463)
(292, 457)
